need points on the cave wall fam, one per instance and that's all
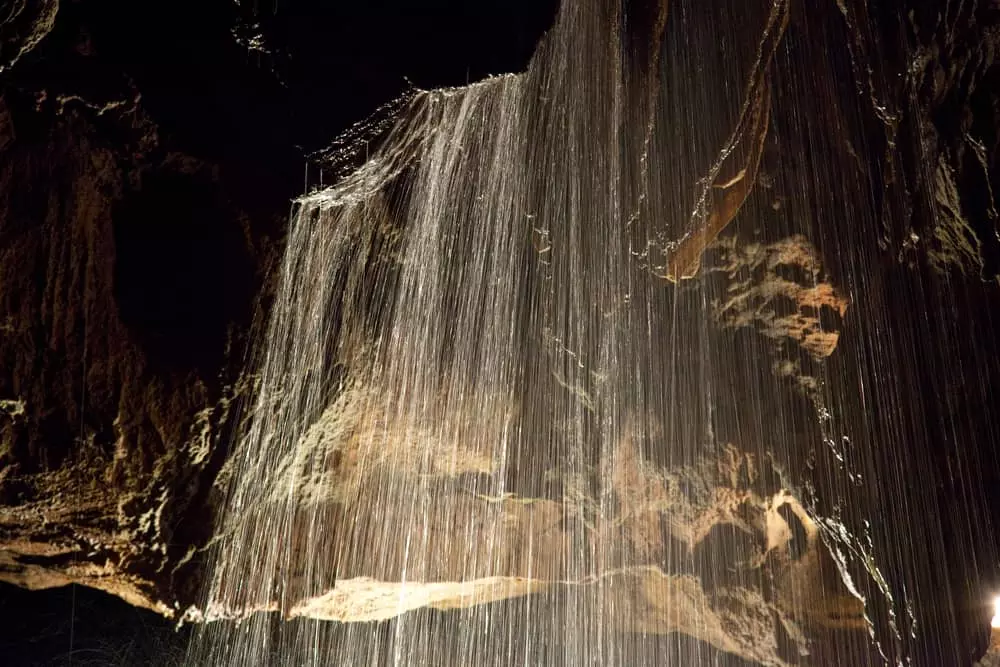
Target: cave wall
(129, 278)
(146, 169)
(148, 158)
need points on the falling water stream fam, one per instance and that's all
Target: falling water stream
(605, 363)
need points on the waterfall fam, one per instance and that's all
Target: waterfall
(526, 397)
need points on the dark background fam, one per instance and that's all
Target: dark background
(82, 626)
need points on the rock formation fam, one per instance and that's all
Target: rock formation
(144, 188)
(673, 528)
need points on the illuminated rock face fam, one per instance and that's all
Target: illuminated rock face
(24, 24)
(114, 420)
(780, 290)
(701, 551)
(139, 230)
(992, 656)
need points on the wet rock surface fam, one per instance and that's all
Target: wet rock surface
(714, 552)
(147, 158)
(147, 162)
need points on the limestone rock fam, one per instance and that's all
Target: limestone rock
(119, 373)
(23, 24)
(781, 291)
